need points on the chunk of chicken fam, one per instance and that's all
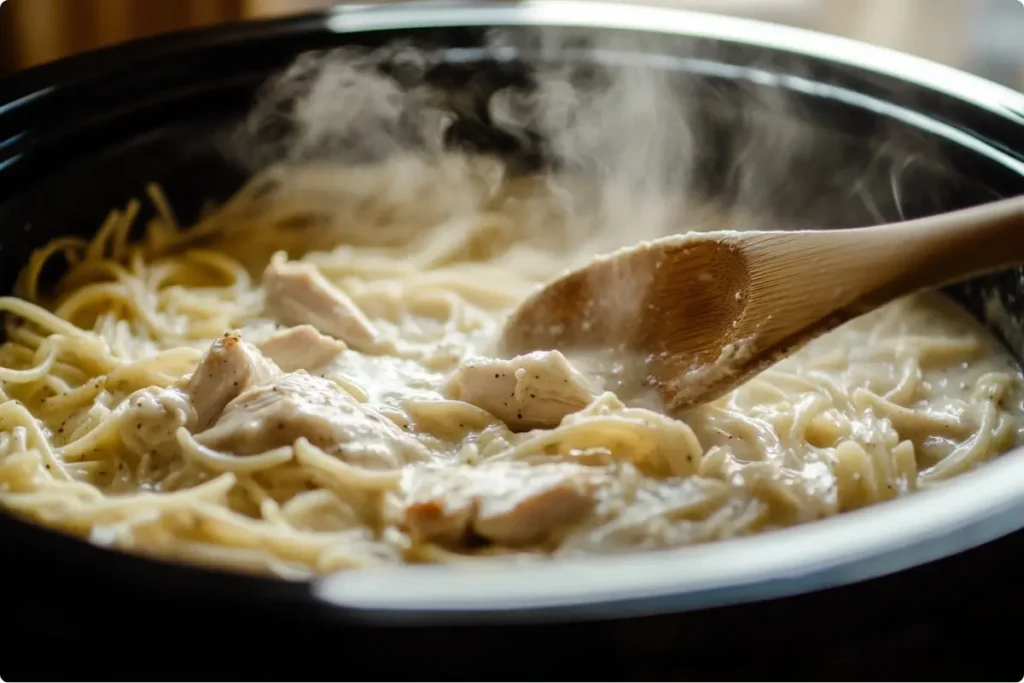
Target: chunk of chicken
(153, 414)
(228, 368)
(511, 504)
(301, 348)
(532, 391)
(297, 293)
(301, 405)
(151, 417)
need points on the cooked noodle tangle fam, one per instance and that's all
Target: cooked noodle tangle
(900, 399)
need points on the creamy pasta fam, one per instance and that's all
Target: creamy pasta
(304, 382)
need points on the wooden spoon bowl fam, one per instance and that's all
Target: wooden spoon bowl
(709, 310)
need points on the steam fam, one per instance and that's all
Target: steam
(339, 105)
(605, 140)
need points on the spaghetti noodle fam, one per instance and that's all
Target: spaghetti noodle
(409, 453)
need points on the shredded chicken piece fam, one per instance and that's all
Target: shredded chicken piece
(301, 348)
(511, 504)
(151, 417)
(302, 405)
(153, 414)
(534, 391)
(297, 294)
(228, 368)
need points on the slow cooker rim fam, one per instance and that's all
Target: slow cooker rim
(598, 14)
(33, 82)
(596, 584)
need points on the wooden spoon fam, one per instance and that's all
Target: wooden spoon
(707, 311)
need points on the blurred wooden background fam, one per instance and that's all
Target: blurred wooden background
(37, 31)
(970, 34)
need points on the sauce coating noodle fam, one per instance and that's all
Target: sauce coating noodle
(367, 423)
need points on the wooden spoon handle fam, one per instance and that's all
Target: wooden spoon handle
(804, 283)
(952, 247)
(874, 265)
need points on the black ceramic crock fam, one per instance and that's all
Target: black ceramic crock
(81, 136)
